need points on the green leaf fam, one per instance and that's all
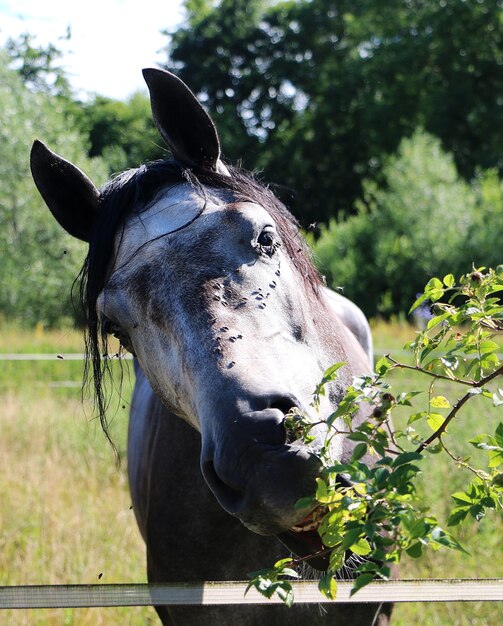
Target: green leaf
(495, 458)
(321, 490)
(383, 365)
(381, 475)
(440, 402)
(486, 347)
(285, 592)
(358, 436)
(461, 496)
(488, 362)
(415, 417)
(406, 457)
(416, 550)
(336, 560)
(352, 536)
(331, 372)
(435, 449)
(361, 547)
(451, 362)
(288, 571)
(439, 536)
(423, 298)
(361, 581)
(449, 280)
(328, 585)
(402, 476)
(405, 397)
(457, 516)
(359, 451)
(497, 480)
(331, 536)
(438, 319)
(417, 528)
(498, 433)
(480, 441)
(435, 421)
(279, 565)
(433, 285)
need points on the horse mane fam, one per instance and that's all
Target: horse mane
(131, 191)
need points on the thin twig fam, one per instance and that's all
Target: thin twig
(458, 460)
(302, 559)
(453, 412)
(416, 368)
(392, 436)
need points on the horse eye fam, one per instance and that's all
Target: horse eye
(265, 239)
(110, 328)
(266, 242)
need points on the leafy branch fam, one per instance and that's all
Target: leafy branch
(452, 414)
(366, 507)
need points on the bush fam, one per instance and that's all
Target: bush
(419, 223)
(486, 232)
(376, 511)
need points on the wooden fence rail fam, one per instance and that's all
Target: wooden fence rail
(208, 593)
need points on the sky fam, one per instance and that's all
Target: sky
(111, 40)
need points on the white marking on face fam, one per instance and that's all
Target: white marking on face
(171, 211)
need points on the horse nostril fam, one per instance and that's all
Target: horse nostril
(283, 404)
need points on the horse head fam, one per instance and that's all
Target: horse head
(202, 273)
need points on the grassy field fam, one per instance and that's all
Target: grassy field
(66, 517)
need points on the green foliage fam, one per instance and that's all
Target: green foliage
(420, 222)
(375, 512)
(321, 92)
(38, 65)
(39, 261)
(345, 253)
(274, 581)
(122, 133)
(486, 232)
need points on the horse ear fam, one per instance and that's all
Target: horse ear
(67, 191)
(183, 123)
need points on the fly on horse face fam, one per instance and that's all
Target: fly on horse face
(202, 274)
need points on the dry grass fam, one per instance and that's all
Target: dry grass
(66, 518)
(66, 515)
(14, 339)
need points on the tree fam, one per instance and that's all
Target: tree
(317, 94)
(39, 261)
(123, 133)
(38, 65)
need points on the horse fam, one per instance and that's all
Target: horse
(203, 275)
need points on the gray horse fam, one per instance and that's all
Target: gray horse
(202, 274)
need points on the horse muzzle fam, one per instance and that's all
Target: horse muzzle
(255, 475)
